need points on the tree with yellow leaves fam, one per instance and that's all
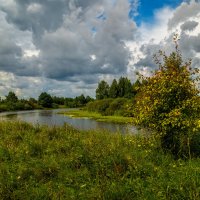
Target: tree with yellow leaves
(170, 103)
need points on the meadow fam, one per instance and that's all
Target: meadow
(38, 162)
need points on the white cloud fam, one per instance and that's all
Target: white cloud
(31, 53)
(34, 8)
(158, 30)
(159, 34)
(62, 47)
(184, 12)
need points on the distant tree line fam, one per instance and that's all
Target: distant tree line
(123, 88)
(117, 98)
(11, 102)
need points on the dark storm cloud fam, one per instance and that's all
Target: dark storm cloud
(63, 33)
(9, 54)
(149, 50)
(70, 48)
(36, 16)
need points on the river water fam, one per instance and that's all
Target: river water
(52, 118)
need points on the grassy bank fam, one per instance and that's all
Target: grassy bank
(63, 163)
(97, 116)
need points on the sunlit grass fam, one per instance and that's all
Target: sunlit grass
(63, 163)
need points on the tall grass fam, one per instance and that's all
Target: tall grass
(63, 163)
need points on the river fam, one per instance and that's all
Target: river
(52, 118)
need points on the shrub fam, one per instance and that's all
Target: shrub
(99, 106)
(169, 102)
(3, 107)
(115, 106)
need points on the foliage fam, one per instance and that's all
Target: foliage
(118, 106)
(125, 88)
(102, 90)
(136, 87)
(12, 103)
(99, 106)
(169, 102)
(45, 100)
(58, 100)
(122, 88)
(11, 97)
(113, 92)
(63, 163)
(79, 101)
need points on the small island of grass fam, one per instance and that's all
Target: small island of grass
(80, 113)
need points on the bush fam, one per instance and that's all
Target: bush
(119, 106)
(169, 102)
(3, 107)
(115, 106)
(99, 106)
(195, 145)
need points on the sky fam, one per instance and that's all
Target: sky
(65, 47)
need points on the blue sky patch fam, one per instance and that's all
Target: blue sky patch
(147, 8)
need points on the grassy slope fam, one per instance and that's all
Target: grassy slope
(98, 116)
(63, 163)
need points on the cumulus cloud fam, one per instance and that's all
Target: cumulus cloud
(65, 47)
(66, 40)
(66, 44)
(71, 46)
(189, 25)
(182, 20)
(184, 12)
(13, 45)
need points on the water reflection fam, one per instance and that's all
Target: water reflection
(51, 118)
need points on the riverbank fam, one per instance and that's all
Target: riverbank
(79, 113)
(63, 163)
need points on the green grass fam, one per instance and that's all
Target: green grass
(63, 163)
(97, 116)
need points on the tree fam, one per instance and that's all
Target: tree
(88, 99)
(45, 100)
(32, 100)
(58, 100)
(113, 92)
(125, 87)
(11, 97)
(102, 91)
(80, 100)
(169, 102)
(128, 89)
(136, 86)
(121, 86)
